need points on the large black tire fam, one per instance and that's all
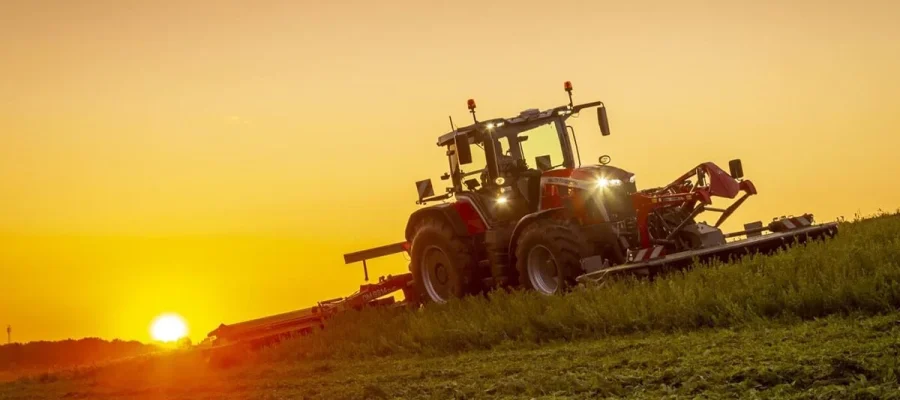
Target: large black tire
(441, 263)
(548, 255)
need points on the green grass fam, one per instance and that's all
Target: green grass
(819, 321)
(839, 357)
(859, 271)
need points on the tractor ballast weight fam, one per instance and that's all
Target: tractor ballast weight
(555, 223)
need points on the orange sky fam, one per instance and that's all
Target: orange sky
(216, 159)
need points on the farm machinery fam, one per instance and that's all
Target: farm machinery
(273, 328)
(505, 222)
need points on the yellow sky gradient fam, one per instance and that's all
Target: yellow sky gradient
(216, 159)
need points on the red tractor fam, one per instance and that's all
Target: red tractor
(505, 222)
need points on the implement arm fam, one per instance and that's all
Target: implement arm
(376, 252)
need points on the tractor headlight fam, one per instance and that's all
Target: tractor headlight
(604, 183)
(502, 200)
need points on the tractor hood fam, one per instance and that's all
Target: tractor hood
(593, 174)
(610, 189)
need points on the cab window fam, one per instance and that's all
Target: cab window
(542, 140)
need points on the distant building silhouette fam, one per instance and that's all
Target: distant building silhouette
(8, 334)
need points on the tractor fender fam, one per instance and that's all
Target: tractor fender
(528, 220)
(461, 216)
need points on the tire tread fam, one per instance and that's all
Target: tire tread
(563, 238)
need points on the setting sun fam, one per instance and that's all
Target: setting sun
(168, 328)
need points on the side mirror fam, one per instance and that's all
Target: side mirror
(736, 169)
(463, 150)
(543, 163)
(425, 189)
(603, 120)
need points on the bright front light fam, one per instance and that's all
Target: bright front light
(490, 126)
(603, 182)
(501, 200)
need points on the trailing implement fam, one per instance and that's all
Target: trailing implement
(505, 221)
(274, 328)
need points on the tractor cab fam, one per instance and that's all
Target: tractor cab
(498, 164)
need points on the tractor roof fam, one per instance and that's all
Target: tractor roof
(531, 116)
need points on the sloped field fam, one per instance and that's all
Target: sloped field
(818, 321)
(837, 357)
(859, 271)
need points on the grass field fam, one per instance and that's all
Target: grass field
(836, 357)
(859, 271)
(820, 321)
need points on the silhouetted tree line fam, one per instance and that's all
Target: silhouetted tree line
(67, 353)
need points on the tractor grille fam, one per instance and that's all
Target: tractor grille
(617, 201)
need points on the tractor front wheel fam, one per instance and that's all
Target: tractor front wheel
(441, 263)
(548, 255)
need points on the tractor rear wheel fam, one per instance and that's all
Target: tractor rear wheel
(441, 263)
(548, 255)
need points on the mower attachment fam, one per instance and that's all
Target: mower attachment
(785, 232)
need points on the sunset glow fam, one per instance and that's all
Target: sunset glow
(219, 158)
(168, 328)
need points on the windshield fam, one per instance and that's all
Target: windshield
(541, 140)
(524, 142)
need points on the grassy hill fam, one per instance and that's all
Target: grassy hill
(838, 357)
(819, 321)
(859, 271)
